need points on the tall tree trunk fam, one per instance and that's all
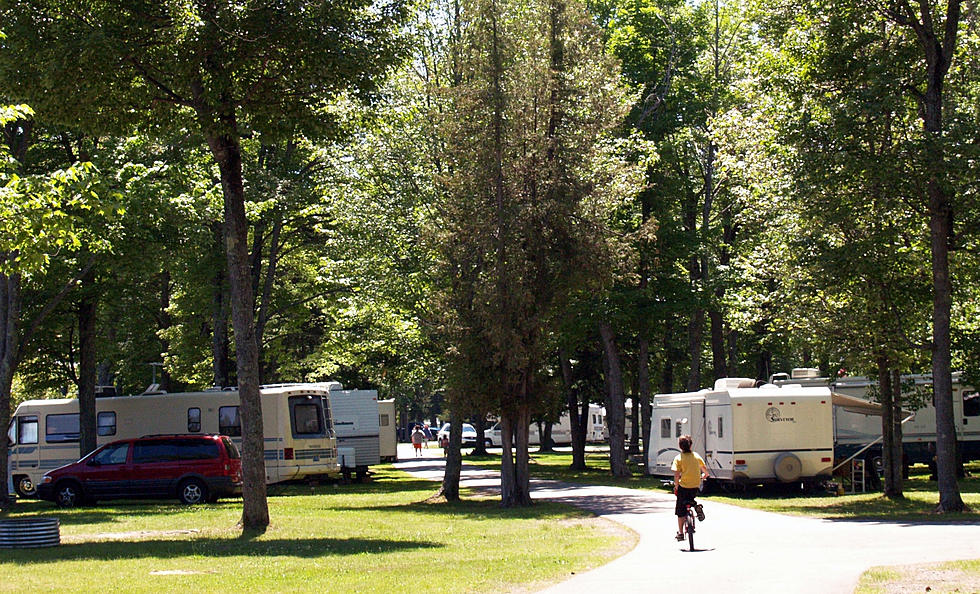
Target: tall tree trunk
(454, 458)
(480, 424)
(164, 323)
(575, 420)
(893, 482)
(897, 454)
(643, 383)
(87, 363)
(615, 405)
(10, 310)
(225, 146)
(220, 343)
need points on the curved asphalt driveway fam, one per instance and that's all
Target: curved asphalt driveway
(738, 550)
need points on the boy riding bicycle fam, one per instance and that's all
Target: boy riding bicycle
(689, 470)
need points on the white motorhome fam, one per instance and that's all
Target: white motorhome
(747, 434)
(357, 421)
(299, 435)
(561, 432)
(856, 427)
(388, 437)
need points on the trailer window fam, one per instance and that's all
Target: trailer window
(971, 404)
(106, 423)
(679, 426)
(721, 428)
(61, 428)
(193, 420)
(229, 422)
(27, 429)
(383, 420)
(665, 428)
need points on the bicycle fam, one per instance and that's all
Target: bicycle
(689, 523)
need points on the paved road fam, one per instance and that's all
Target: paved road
(739, 550)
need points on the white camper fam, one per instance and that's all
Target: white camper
(857, 426)
(561, 432)
(299, 437)
(747, 434)
(358, 425)
(388, 437)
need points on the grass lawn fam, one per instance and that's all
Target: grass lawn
(382, 536)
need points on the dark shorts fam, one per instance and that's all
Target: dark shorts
(684, 496)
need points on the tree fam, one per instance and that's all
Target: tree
(522, 222)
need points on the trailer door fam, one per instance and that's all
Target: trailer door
(697, 427)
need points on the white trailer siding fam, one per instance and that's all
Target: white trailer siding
(357, 423)
(388, 434)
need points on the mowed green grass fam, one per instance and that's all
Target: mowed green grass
(382, 536)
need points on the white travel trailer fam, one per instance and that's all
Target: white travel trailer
(299, 436)
(747, 434)
(357, 421)
(856, 427)
(389, 436)
(561, 432)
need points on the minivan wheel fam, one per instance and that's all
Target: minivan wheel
(192, 491)
(68, 494)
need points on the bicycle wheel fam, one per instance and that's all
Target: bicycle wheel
(690, 528)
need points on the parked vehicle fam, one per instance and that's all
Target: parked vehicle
(561, 432)
(191, 468)
(299, 435)
(386, 427)
(358, 427)
(855, 427)
(747, 434)
(469, 434)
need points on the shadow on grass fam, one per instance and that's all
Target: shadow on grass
(209, 547)
(485, 509)
(106, 512)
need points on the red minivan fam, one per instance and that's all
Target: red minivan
(191, 468)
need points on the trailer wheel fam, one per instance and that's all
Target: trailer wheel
(787, 467)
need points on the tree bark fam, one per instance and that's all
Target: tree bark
(10, 311)
(643, 383)
(454, 458)
(225, 146)
(615, 405)
(893, 482)
(87, 363)
(575, 420)
(220, 351)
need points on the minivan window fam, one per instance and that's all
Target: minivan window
(229, 422)
(113, 454)
(152, 451)
(193, 420)
(27, 429)
(230, 447)
(106, 422)
(197, 449)
(61, 428)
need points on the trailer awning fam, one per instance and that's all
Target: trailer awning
(855, 404)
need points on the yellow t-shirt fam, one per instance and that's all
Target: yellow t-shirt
(689, 464)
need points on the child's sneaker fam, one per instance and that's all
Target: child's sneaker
(699, 512)
(679, 536)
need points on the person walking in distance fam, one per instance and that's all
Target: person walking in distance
(689, 470)
(417, 438)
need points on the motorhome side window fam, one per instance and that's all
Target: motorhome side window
(61, 428)
(229, 423)
(106, 423)
(193, 420)
(665, 428)
(971, 403)
(27, 429)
